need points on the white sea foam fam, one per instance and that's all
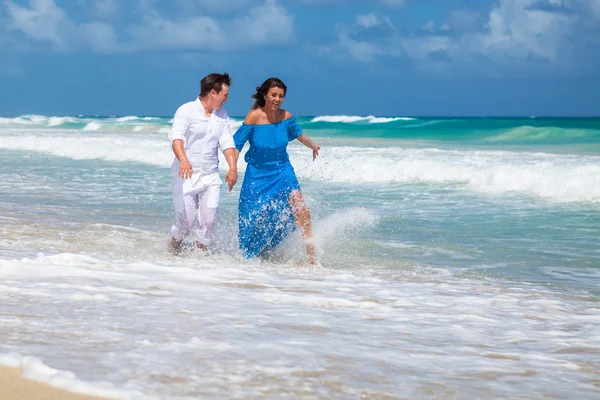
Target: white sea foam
(40, 120)
(24, 120)
(354, 119)
(335, 228)
(56, 121)
(33, 368)
(556, 177)
(235, 124)
(128, 118)
(217, 327)
(531, 133)
(92, 126)
(83, 123)
(153, 150)
(90, 294)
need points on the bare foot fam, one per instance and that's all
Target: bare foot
(201, 246)
(311, 254)
(175, 246)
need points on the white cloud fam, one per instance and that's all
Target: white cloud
(463, 20)
(420, 48)
(533, 32)
(266, 23)
(363, 51)
(393, 3)
(367, 21)
(106, 8)
(213, 6)
(388, 22)
(99, 36)
(516, 30)
(322, 3)
(429, 26)
(594, 6)
(44, 22)
(156, 32)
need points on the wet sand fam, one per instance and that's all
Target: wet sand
(14, 387)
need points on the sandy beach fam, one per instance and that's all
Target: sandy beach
(14, 387)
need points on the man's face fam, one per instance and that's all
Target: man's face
(218, 99)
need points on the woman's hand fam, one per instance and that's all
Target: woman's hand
(231, 178)
(315, 149)
(308, 142)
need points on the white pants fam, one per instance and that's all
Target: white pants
(202, 204)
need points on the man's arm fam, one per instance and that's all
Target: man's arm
(185, 168)
(181, 123)
(231, 157)
(228, 147)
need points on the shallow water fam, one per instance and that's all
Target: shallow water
(450, 269)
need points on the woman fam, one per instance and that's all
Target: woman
(270, 200)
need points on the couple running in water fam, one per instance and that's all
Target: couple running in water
(270, 203)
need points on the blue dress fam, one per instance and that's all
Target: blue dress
(265, 214)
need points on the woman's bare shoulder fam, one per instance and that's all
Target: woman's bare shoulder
(253, 116)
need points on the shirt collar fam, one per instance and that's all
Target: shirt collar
(200, 106)
(202, 109)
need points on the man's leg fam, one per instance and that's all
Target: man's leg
(207, 214)
(186, 209)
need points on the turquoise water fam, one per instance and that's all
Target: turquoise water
(472, 245)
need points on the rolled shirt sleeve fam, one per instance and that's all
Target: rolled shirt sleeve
(181, 124)
(226, 136)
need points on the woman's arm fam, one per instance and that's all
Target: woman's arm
(303, 138)
(308, 142)
(242, 134)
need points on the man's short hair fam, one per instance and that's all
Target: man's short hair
(214, 81)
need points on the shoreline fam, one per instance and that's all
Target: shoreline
(13, 386)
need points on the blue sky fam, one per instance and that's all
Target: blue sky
(352, 57)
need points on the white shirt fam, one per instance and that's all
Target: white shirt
(202, 136)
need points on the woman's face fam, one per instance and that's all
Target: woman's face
(274, 98)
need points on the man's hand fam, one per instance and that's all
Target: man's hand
(185, 169)
(231, 178)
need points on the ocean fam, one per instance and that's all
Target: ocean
(460, 259)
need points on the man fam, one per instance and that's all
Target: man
(199, 128)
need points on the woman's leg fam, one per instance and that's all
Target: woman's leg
(302, 219)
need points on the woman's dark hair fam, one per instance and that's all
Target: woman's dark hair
(214, 81)
(262, 90)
